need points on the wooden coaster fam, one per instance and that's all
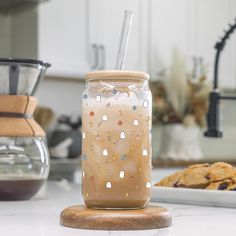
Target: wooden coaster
(152, 217)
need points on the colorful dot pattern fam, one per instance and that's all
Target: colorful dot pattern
(116, 146)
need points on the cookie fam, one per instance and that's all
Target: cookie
(171, 180)
(220, 171)
(195, 176)
(232, 186)
(226, 184)
(218, 176)
(198, 165)
(220, 185)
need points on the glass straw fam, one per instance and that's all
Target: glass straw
(124, 39)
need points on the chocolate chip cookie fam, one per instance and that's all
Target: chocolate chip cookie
(195, 176)
(220, 185)
(220, 171)
(171, 180)
(218, 176)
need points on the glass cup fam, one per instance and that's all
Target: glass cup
(116, 121)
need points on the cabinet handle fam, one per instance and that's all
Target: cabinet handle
(95, 55)
(102, 57)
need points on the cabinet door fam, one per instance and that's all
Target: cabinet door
(62, 36)
(169, 28)
(106, 17)
(211, 18)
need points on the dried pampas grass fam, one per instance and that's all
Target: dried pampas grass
(176, 84)
(178, 99)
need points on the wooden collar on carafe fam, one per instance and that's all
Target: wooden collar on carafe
(16, 116)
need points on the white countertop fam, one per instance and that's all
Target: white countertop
(40, 217)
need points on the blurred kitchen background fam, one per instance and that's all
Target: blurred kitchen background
(78, 36)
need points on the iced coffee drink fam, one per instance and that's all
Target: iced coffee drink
(116, 158)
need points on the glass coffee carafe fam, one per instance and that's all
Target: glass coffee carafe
(116, 122)
(24, 159)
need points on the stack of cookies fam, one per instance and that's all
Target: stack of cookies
(217, 176)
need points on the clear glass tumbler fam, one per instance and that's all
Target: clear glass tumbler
(116, 121)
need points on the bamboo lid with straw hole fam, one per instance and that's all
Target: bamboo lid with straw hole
(120, 74)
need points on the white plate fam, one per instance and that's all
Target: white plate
(194, 196)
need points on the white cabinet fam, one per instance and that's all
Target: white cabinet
(81, 35)
(77, 36)
(105, 22)
(211, 17)
(193, 27)
(169, 29)
(63, 37)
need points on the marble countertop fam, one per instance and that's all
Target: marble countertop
(40, 216)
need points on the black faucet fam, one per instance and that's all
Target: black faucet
(215, 96)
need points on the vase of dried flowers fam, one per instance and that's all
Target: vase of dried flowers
(180, 105)
(179, 142)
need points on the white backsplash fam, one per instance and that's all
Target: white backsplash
(219, 149)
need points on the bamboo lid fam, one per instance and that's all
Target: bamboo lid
(16, 116)
(117, 74)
